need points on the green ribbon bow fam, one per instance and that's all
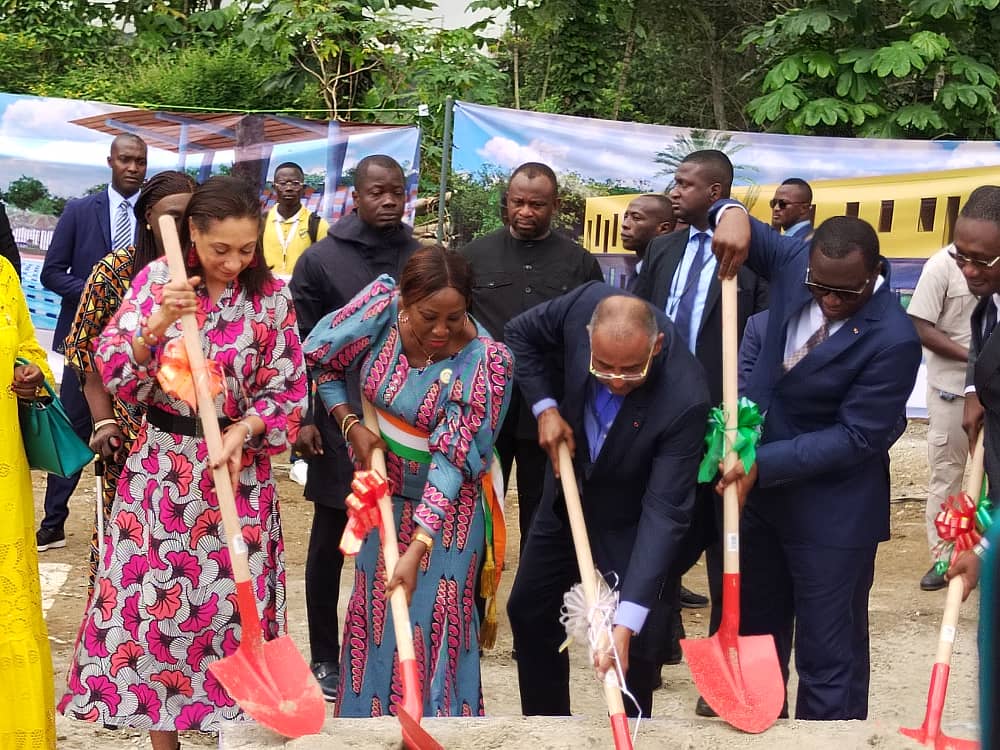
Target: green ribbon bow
(749, 425)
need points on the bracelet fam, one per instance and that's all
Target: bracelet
(249, 427)
(347, 423)
(149, 340)
(981, 548)
(104, 423)
(422, 536)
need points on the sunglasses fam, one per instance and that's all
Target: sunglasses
(626, 377)
(781, 204)
(289, 183)
(845, 294)
(963, 260)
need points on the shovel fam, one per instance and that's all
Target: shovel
(929, 733)
(409, 713)
(269, 680)
(738, 676)
(588, 578)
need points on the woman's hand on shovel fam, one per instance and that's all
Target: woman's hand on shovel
(744, 482)
(405, 574)
(622, 637)
(966, 565)
(233, 440)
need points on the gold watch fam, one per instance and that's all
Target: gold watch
(422, 536)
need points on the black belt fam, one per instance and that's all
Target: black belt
(178, 425)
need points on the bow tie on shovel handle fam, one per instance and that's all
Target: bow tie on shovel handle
(588, 578)
(738, 676)
(929, 733)
(269, 680)
(409, 713)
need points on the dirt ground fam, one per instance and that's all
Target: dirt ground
(904, 627)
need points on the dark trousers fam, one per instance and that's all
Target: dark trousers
(548, 569)
(531, 461)
(324, 561)
(58, 489)
(818, 596)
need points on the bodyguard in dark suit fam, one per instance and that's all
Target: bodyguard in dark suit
(611, 376)
(792, 208)
(836, 367)
(646, 217)
(358, 248)
(88, 229)
(679, 276)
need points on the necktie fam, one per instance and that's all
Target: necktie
(820, 335)
(689, 292)
(122, 236)
(989, 319)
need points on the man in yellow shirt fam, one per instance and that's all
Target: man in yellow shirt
(290, 227)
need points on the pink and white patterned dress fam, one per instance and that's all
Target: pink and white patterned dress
(164, 605)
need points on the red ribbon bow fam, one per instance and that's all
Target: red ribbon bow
(177, 378)
(362, 510)
(956, 522)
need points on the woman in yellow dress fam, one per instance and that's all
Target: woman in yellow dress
(27, 716)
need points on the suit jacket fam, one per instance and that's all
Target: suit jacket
(803, 232)
(984, 366)
(753, 339)
(823, 461)
(81, 238)
(663, 257)
(639, 493)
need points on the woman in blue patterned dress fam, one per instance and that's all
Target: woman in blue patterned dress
(441, 387)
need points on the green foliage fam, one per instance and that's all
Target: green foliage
(925, 68)
(25, 191)
(474, 207)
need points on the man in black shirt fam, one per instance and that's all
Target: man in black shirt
(361, 246)
(515, 268)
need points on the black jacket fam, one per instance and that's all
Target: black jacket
(327, 275)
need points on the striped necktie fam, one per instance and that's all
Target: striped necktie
(122, 236)
(820, 335)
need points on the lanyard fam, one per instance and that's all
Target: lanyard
(279, 230)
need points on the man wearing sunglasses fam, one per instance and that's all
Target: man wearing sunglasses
(837, 364)
(609, 375)
(791, 208)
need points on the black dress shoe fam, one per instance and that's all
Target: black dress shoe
(932, 580)
(691, 600)
(703, 709)
(327, 674)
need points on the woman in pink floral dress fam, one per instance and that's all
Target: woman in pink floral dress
(165, 603)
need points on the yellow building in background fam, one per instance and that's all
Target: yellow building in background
(914, 213)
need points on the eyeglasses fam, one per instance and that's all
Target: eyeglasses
(289, 183)
(963, 260)
(782, 204)
(845, 294)
(625, 377)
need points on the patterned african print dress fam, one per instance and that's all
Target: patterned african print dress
(103, 293)
(459, 404)
(165, 603)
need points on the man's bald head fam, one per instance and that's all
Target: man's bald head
(622, 317)
(624, 338)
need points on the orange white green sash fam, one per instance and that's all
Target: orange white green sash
(408, 442)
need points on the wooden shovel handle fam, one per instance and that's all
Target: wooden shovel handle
(974, 484)
(730, 398)
(949, 623)
(584, 558)
(206, 411)
(390, 547)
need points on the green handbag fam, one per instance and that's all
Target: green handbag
(49, 440)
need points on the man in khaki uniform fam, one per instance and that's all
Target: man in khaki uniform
(940, 309)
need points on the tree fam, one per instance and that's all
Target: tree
(24, 191)
(698, 140)
(894, 69)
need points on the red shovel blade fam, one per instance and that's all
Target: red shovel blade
(930, 732)
(740, 680)
(274, 685)
(415, 737)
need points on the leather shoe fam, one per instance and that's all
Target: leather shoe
(691, 600)
(46, 538)
(932, 580)
(703, 709)
(327, 674)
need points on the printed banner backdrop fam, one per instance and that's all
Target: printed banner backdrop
(909, 191)
(52, 150)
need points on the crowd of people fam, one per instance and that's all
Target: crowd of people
(475, 362)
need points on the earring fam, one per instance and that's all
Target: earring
(148, 228)
(404, 317)
(192, 256)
